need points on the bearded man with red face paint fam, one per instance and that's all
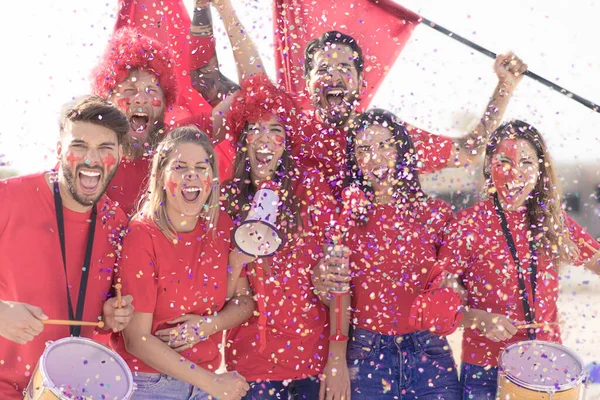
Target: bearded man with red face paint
(507, 251)
(47, 221)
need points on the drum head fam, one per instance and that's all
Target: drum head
(542, 366)
(81, 368)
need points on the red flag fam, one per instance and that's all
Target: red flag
(380, 27)
(168, 22)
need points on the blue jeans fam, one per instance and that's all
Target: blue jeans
(302, 389)
(417, 365)
(164, 387)
(477, 383)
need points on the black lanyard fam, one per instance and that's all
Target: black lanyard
(528, 308)
(75, 330)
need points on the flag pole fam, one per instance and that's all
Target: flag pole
(392, 7)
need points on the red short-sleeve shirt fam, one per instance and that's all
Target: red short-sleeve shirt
(478, 252)
(295, 321)
(394, 255)
(32, 269)
(169, 279)
(324, 148)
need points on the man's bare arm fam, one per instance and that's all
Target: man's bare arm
(469, 149)
(208, 79)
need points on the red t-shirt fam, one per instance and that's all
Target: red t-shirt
(324, 148)
(32, 269)
(477, 250)
(128, 183)
(393, 258)
(296, 322)
(170, 279)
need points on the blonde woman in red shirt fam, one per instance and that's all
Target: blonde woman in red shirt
(177, 258)
(512, 242)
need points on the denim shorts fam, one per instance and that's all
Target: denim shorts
(161, 386)
(417, 365)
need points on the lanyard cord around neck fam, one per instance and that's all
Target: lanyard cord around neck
(75, 330)
(528, 307)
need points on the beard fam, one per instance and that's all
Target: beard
(136, 148)
(70, 178)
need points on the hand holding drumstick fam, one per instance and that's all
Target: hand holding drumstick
(99, 324)
(118, 310)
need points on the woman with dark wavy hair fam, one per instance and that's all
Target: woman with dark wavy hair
(395, 350)
(284, 350)
(507, 250)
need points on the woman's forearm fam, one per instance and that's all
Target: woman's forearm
(153, 352)
(235, 312)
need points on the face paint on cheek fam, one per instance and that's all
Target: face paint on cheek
(124, 102)
(278, 141)
(251, 137)
(109, 161)
(172, 186)
(205, 180)
(156, 103)
(73, 160)
(508, 147)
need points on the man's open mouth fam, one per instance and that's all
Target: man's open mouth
(335, 97)
(89, 179)
(139, 122)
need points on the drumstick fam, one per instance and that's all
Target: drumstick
(99, 324)
(530, 326)
(118, 290)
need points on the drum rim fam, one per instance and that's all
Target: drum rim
(544, 389)
(52, 387)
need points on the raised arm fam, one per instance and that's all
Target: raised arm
(245, 52)
(207, 78)
(469, 149)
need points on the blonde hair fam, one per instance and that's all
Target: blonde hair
(152, 205)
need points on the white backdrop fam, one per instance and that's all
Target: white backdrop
(49, 48)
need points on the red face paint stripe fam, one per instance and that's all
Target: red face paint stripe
(172, 186)
(109, 161)
(124, 102)
(73, 160)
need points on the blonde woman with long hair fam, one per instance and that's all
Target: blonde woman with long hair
(507, 250)
(176, 261)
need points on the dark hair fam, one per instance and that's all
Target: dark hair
(327, 39)
(258, 99)
(97, 111)
(408, 183)
(544, 209)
